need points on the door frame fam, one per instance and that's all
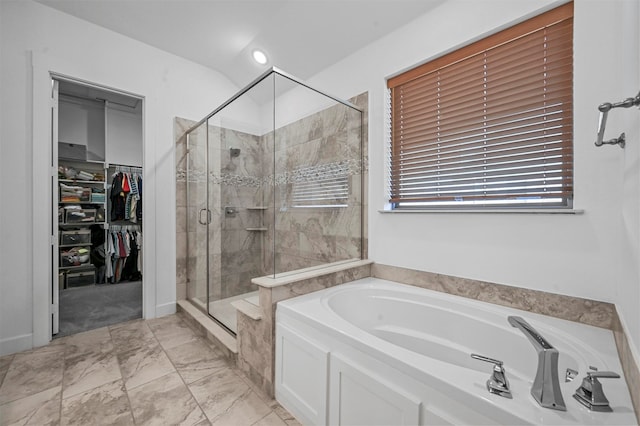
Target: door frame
(55, 162)
(45, 68)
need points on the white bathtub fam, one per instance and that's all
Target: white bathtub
(378, 352)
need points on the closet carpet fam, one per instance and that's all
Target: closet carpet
(88, 308)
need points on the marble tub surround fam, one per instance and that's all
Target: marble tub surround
(630, 364)
(591, 312)
(197, 386)
(256, 327)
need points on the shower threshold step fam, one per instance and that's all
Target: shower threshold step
(257, 229)
(209, 328)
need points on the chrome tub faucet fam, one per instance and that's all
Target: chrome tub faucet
(546, 385)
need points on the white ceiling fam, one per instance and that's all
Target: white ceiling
(301, 37)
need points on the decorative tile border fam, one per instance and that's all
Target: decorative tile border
(310, 173)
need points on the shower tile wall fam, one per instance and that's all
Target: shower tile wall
(304, 236)
(242, 242)
(325, 142)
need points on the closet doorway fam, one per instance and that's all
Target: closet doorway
(97, 216)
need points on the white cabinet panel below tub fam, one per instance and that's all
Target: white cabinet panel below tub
(301, 376)
(360, 397)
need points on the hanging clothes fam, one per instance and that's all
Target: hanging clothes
(109, 255)
(139, 203)
(130, 271)
(118, 197)
(132, 200)
(123, 251)
(126, 197)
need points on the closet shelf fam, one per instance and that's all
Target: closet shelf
(81, 224)
(101, 182)
(81, 202)
(74, 245)
(77, 160)
(79, 267)
(256, 229)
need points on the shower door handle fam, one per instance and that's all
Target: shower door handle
(200, 217)
(207, 220)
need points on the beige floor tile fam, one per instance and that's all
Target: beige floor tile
(271, 419)
(94, 341)
(286, 416)
(131, 335)
(165, 401)
(91, 378)
(31, 372)
(85, 371)
(143, 364)
(105, 405)
(196, 359)
(5, 361)
(171, 331)
(42, 408)
(228, 400)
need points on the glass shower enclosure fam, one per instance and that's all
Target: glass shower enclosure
(274, 185)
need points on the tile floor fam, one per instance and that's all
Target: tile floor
(156, 372)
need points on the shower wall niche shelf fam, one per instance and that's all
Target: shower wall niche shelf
(260, 227)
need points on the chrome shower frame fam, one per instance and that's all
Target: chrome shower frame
(234, 152)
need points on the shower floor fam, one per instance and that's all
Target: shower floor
(225, 313)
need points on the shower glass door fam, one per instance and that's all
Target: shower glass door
(238, 159)
(196, 244)
(275, 185)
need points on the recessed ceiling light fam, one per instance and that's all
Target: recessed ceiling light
(259, 57)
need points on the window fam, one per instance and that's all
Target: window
(489, 125)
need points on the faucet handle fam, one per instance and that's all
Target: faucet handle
(496, 362)
(497, 383)
(602, 375)
(590, 393)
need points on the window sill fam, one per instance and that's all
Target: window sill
(489, 211)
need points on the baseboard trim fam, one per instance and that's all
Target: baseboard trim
(165, 309)
(12, 345)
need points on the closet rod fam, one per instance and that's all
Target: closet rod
(126, 169)
(118, 228)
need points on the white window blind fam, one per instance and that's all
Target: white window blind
(489, 125)
(324, 185)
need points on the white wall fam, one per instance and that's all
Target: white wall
(170, 86)
(82, 123)
(124, 135)
(628, 289)
(593, 255)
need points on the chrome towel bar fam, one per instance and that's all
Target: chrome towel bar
(604, 111)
